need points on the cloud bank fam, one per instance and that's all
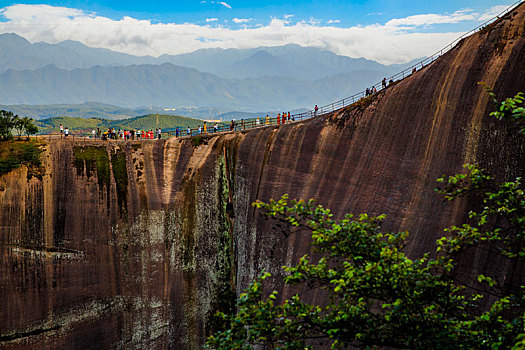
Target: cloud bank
(241, 20)
(395, 41)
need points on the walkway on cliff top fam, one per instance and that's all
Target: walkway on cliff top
(348, 101)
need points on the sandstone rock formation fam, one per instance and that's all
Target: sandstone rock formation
(135, 245)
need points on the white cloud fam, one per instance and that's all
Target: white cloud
(208, 20)
(287, 16)
(224, 4)
(241, 20)
(333, 21)
(492, 12)
(314, 21)
(428, 19)
(393, 42)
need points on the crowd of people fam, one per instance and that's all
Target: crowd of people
(235, 125)
(132, 134)
(113, 134)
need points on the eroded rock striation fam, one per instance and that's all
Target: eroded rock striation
(136, 244)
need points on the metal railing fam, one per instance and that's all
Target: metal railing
(330, 108)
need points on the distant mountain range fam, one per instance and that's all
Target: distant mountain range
(170, 85)
(264, 78)
(95, 110)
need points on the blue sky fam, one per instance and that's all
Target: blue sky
(390, 31)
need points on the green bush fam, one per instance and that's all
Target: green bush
(377, 296)
(16, 153)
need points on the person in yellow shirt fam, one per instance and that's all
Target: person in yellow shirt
(278, 118)
(205, 127)
(267, 120)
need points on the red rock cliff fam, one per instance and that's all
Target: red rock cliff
(133, 245)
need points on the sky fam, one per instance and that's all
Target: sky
(387, 31)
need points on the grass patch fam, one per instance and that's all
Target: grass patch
(363, 102)
(93, 159)
(197, 141)
(118, 162)
(13, 154)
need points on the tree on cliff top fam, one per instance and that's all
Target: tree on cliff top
(9, 121)
(24, 125)
(378, 297)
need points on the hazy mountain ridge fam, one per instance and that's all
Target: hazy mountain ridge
(291, 60)
(170, 85)
(247, 80)
(19, 54)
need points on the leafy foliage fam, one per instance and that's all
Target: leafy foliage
(512, 109)
(379, 297)
(9, 121)
(16, 153)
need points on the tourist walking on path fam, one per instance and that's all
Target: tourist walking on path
(66, 132)
(257, 121)
(278, 118)
(315, 110)
(159, 132)
(177, 132)
(205, 127)
(284, 118)
(215, 127)
(267, 120)
(383, 83)
(188, 131)
(242, 124)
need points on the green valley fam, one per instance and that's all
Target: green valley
(146, 122)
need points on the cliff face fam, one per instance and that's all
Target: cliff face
(133, 245)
